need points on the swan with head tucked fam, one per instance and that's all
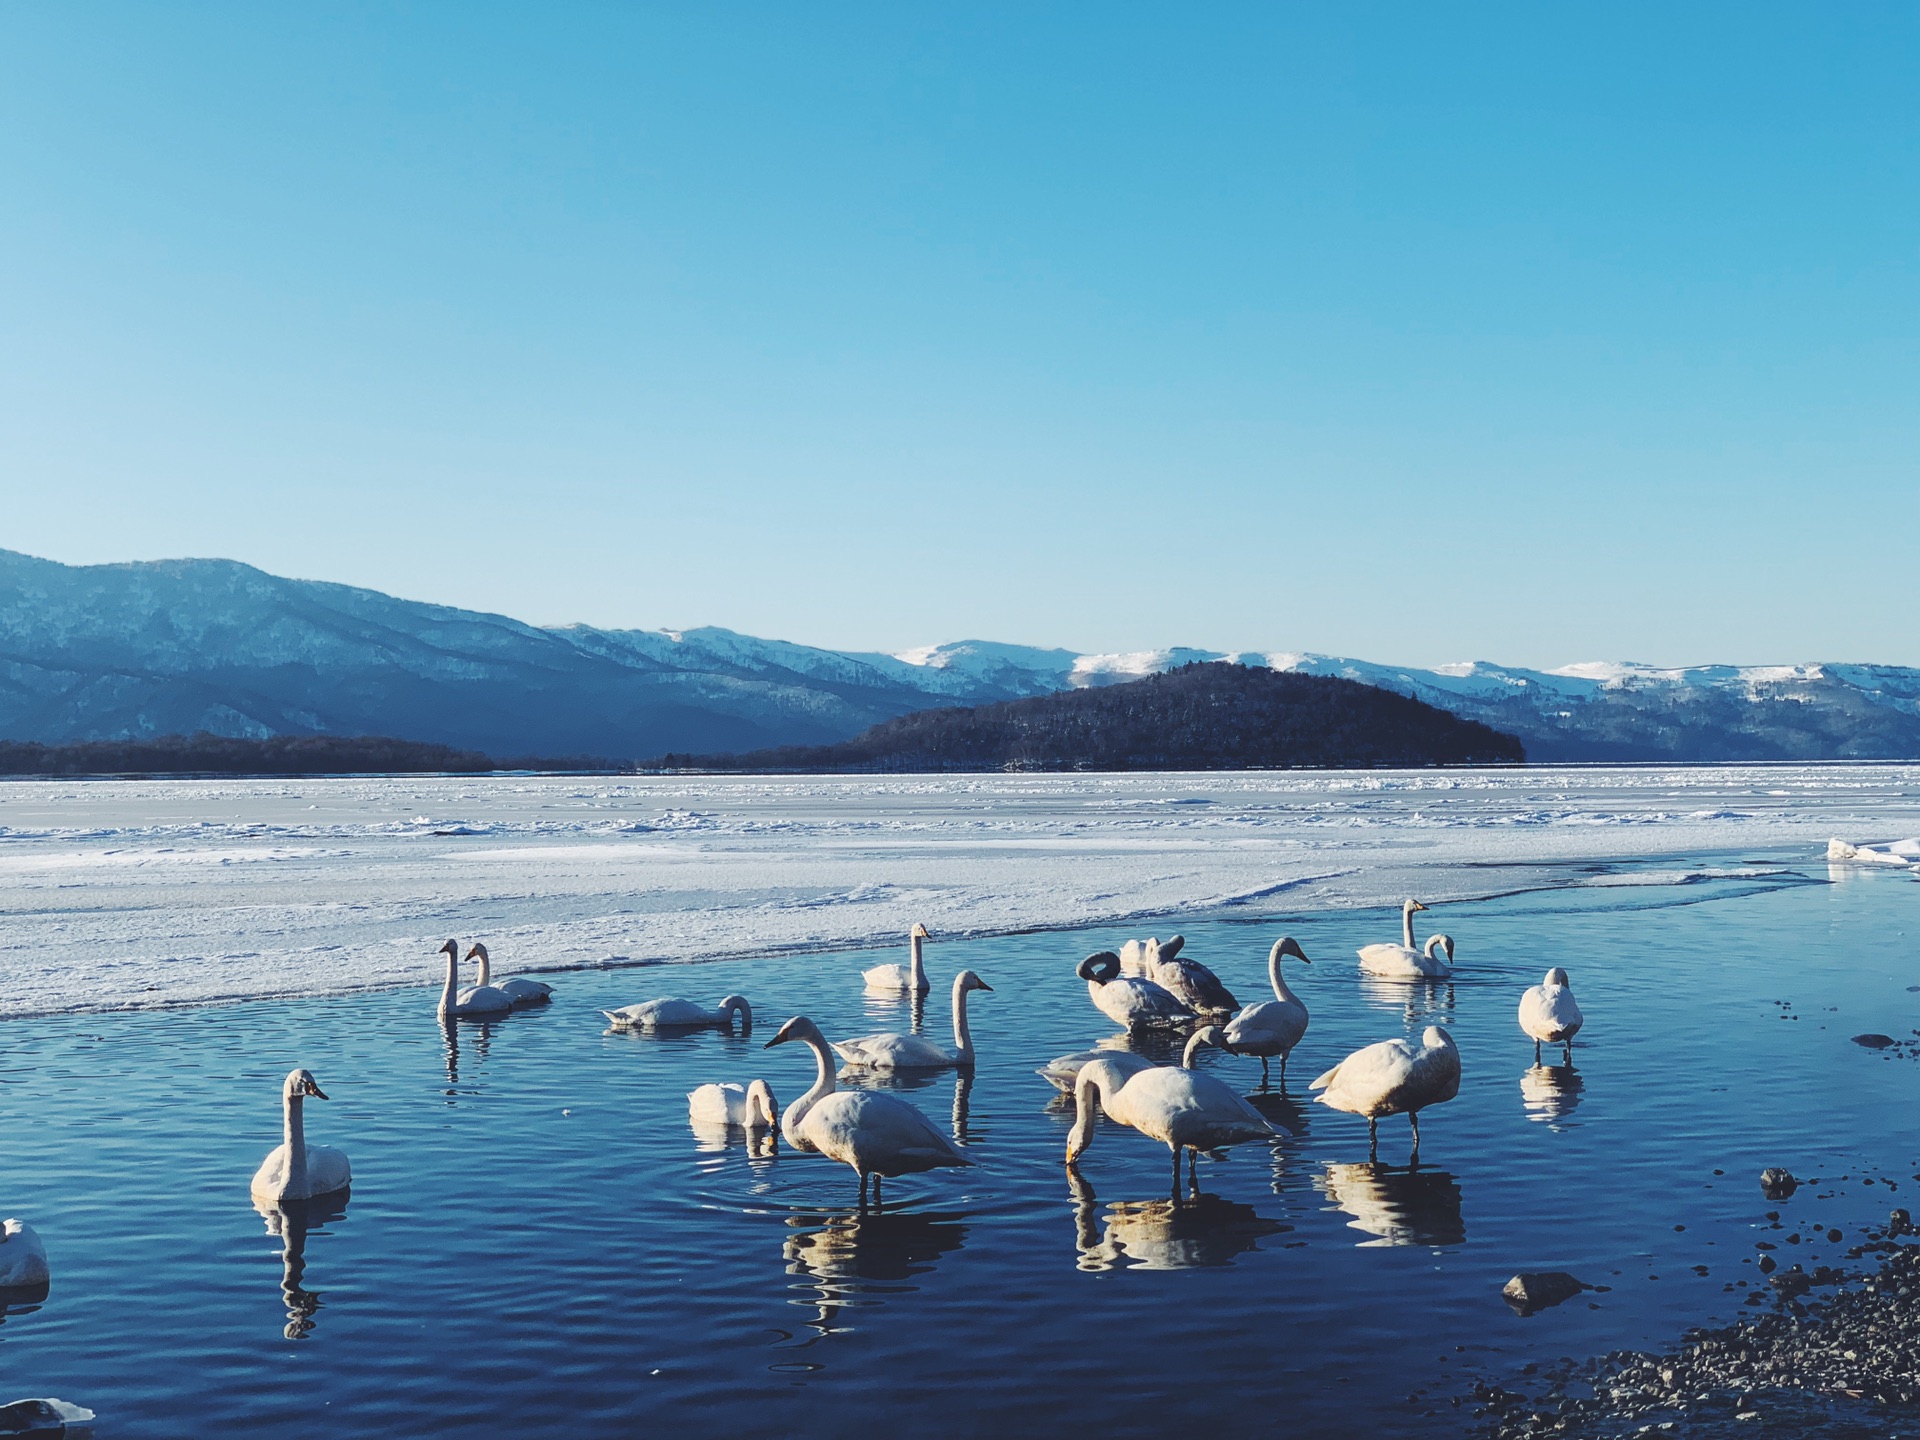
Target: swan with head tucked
(520, 992)
(891, 1050)
(476, 1001)
(1404, 961)
(1394, 1077)
(1188, 981)
(23, 1258)
(908, 979)
(1272, 1027)
(751, 1107)
(876, 1133)
(1548, 1013)
(295, 1170)
(1183, 1108)
(1128, 999)
(682, 1015)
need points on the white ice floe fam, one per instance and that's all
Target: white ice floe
(1898, 852)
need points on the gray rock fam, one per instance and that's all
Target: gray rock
(1873, 1040)
(1533, 1290)
(1900, 1223)
(1777, 1184)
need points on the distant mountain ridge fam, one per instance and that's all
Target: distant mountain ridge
(137, 650)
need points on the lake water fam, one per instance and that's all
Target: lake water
(537, 1243)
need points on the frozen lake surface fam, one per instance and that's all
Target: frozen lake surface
(145, 893)
(537, 1243)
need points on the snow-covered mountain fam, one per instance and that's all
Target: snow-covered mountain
(123, 651)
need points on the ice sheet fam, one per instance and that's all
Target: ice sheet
(143, 893)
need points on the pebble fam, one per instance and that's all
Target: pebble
(1777, 1184)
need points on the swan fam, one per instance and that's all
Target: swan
(1183, 1108)
(1272, 1027)
(1063, 1070)
(1403, 961)
(1548, 1013)
(751, 1107)
(1131, 1001)
(891, 1050)
(1394, 1077)
(1188, 981)
(295, 1170)
(682, 1015)
(877, 1134)
(475, 1000)
(910, 979)
(520, 992)
(23, 1258)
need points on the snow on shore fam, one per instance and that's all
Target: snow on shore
(142, 893)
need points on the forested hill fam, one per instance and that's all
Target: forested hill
(1198, 717)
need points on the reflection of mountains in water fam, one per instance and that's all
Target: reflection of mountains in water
(1550, 1092)
(1197, 1232)
(292, 1221)
(1398, 1206)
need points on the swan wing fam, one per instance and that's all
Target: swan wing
(881, 1133)
(1390, 960)
(892, 1051)
(888, 977)
(1366, 1080)
(327, 1170)
(1194, 985)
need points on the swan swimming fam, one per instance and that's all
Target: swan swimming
(682, 1015)
(1184, 1108)
(1548, 1013)
(1272, 1027)
(23, 1258)
(521, 993)
(1394, 1077)
(1188, 981)
(891, 1050)
(877, 1134)
(1063, 1070)
(1129, 1000)
(909, 979)
(476, 1000)
(751, 1107)
(295, 1170)
(1403, 961)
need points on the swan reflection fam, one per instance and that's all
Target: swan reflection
(857, 1259)
(1200, 1231)
(291, 1220)
(1416, 1000)
(480, 1032)
(1282, 1111)
(1398, 1206)
(1550, 1092)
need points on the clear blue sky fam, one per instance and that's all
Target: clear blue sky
(1534, 332)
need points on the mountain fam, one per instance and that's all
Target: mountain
(1215, 716)
(134, 651)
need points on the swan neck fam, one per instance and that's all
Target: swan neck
(823, 1076)
(294, 1134)
(916, 963)
(486, 970)
(1406, 928)
(962, 1032)
(1086, 1105)
(1279, 980)
(451, 993)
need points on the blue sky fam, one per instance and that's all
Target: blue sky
(1533, 333)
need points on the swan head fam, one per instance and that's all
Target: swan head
(451, 950)
(1557, 976)
(798, 1028)
(1444, 942)
(1172, 946)
(1287, 945)
(761, 1107)
(737, 1005)
(966, 980)
(478, 952)
(300, 1083)
(1206, 1035)
(1099, 967)
(919, 932)
(1411, 906)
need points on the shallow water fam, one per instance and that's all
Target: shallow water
(537, 1243)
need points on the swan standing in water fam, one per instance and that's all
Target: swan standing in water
(751, 1107)
(1188, 981)
(295, 1170)
(1177, 1105)
(521, 993)
(891, 1050)
(1272, 1027)
(1548, 1013)
(23, 1259)
(909, 979)
(475, 1000)
(682, 1015)
(1394, 1077)
(1403, 961)
(877, 1134)
(1127, 999)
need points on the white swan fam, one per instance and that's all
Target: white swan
(1188, 981)
(1272, 1027)
(295, 1170)
(682, 1015)
(475, 1000)
(521, 992)
(1129, 1000)
(751, 1107)
(1063, 1070)
(909, 979)
(891, 1050)
(1403, 961)
(23, 1258)
(877, 1134)
(1183, 1108)
(1394, 1077)
(1548, 1013)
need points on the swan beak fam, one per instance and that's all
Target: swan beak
(1418, 906)
(986, 987)
(773, 1042)
(315, 1091)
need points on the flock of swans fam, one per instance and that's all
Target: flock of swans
(1146, 986)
